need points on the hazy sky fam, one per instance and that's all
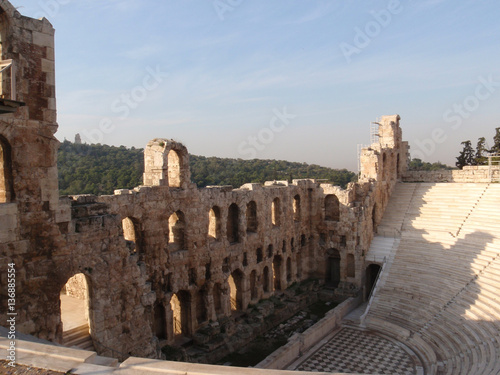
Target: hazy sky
(283, 79)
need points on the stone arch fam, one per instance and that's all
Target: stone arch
(159, 321)
(75, 306)
(297, 208)
(180, 303)
(214, 223)
(6, 76)
(333, 268)
(233, 227)
(332, 208)
(251, 215)
(289, 270)
(235, 281)
(132, 234)
(265, 282)
(253, 285)
(351, 266)
(201, 306)
(6, 179)
(175, 176)
(177, 231)
(277, 272)
(276, 212)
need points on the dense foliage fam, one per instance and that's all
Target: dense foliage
(419, 165)
(100, 169)
(478, 157)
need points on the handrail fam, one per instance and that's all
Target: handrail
(6, 64)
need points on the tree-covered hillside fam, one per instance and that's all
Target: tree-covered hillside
(100, 169)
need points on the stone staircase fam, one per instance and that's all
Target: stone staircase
(78, 337)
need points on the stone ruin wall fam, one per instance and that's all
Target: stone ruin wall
(473, 174)
(180, 243)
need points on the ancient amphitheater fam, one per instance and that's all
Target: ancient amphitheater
(414, 256)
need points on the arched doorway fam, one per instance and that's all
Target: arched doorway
(75, 305)
(180, 304)
(235, 284)
(332, 278)
(372, 272)
(6, 181)
(159, 322)
(277, 272)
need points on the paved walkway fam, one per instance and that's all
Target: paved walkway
(355, 351)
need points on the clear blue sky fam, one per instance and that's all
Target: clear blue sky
(215, 74)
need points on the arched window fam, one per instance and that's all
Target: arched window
(235, 282)
(276, 212)
(233, 217)
(332, 208)
(6, 181)
(296, 208)
(174, 169)
(252, 217)
(214, 223)
(176, 226)
(132, 234)
(180, 304)
(351, 266)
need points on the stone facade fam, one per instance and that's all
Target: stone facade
(166, 258)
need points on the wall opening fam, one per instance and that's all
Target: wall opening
(351, 266)
(332, 208)
(214, 226)
(235, 284)
(180, 305)
(303, 240)
(233, 217)
(296, 208)
(265, 284)
(289, 270)
(160, 322)
(259, 255)
(176, 227)
(292, 244)
(132, 234)
(6, 180)
(252, 217)
(270, 251)
(277, 272)
(372, 272)
(374, 217)
(253, 285)
(217, 294)
(174, 169)
(299, 266)
(276, 212)
(75, 301)
(333, 268)
(201, 307)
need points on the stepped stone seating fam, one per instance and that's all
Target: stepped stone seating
(441, 295)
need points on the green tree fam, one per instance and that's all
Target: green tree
(496, 142)
(481, 151)
(466, 156)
